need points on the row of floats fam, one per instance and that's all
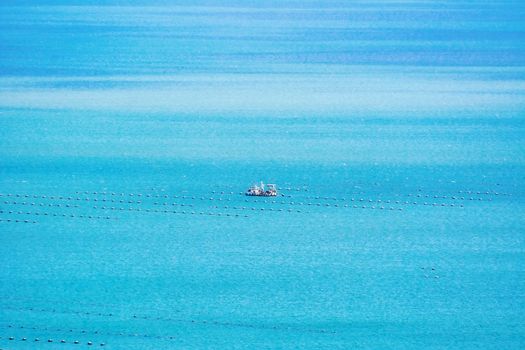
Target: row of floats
(141, 205)
(93, 332)
(429, 272)
(397, 200)
(58, 205)
(81, 216)
(129, 201)
(151, 318)
(49, 340)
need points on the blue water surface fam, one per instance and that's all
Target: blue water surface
(129, 131)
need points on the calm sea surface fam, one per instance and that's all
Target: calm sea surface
(394, 131)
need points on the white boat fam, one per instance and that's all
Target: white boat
(269, 190)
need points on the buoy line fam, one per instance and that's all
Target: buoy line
(126, 334)
(178, 320)
(62, 215)
(50, 340)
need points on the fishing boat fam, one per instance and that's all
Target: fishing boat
(268, 190)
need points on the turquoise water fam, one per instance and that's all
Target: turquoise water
(394, 131)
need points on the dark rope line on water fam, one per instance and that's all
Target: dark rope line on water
(84, 216)
(382, 201)
(490, 193)
(454, 198)
(40, 204)
(82, 199)
(8, 301)
(72, 216)
(171, 319)
(165, 211)
(252, 208)
(326, 205)
(18, 221)
(174, 204)
(57, 311)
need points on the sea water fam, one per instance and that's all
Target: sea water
(394, 132)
